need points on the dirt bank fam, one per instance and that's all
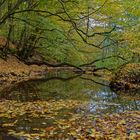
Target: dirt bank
(13, 70)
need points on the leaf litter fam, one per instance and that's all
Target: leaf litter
(71, 125)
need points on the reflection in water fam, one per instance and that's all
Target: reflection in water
(103, 102)
(32, 90)
(22, 92)
(66, 86)
(10, 138)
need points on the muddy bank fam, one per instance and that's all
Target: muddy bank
(127, 78)
(13, 70)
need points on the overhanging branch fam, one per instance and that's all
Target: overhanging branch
(97, 60)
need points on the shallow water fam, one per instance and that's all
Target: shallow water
(66, 86)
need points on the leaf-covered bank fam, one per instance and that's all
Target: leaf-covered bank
(127, 78)
(14, 70)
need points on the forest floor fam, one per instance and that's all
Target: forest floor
(13, 70)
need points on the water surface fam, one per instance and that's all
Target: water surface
(67, 86)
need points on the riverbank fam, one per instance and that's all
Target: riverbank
(127, 78)
(13, 70)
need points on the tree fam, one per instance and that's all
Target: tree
(68, 31)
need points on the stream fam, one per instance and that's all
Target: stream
(64, 86)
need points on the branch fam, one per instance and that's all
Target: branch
(8, 14)
(102, 68)
(54, 65)
(87, 64)
(94, 81)
(102, 33)
(31, 10)
(2, 2)
(78, 31)
(95, 10)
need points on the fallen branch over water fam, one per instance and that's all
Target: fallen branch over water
(39, 63)
(82, 68)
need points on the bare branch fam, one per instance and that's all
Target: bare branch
(97, 60)
(95, 11)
